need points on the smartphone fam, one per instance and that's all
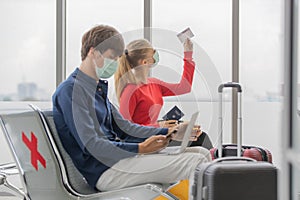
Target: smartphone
(183, 35)
(176, 122)
(169, 134)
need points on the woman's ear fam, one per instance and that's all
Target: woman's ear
(144, 61)
(141, 62)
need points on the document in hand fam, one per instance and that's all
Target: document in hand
(187, 33)
(174, 114)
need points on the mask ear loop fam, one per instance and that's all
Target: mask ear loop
(100, 54)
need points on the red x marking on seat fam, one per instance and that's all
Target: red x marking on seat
(32, 146)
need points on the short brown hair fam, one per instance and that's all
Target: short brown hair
(102, 37)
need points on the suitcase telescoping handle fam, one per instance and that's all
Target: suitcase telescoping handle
(232, 158)
(232, 85)
(239, 117)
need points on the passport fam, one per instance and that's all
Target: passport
(175, 113)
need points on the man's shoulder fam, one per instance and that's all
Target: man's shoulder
(65, 87)
(68, 84)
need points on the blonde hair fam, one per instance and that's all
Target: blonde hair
(135, 51)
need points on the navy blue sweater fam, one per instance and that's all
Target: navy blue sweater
(91, 129)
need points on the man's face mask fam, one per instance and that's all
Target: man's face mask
(108, 69)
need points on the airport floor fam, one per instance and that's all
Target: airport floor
(4, 195)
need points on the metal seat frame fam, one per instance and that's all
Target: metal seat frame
(35, 185)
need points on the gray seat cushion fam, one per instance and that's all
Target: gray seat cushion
(75, 178)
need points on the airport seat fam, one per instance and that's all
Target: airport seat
(47, 171)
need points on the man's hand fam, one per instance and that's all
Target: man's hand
(180, 131)
(168, 123)
(153, 144)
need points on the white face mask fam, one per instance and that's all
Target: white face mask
(108, 69)
(156, 58)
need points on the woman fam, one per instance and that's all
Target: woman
(141, 96)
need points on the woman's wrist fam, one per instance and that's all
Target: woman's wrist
(188, 55)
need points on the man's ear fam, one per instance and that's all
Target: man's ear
(91, 51)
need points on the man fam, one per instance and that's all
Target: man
(106, 149)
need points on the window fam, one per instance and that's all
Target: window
(28, 50)
(212, 41)
(296, 183)
(296, 135)
(210, 21)
(125, 16)
(261, 69)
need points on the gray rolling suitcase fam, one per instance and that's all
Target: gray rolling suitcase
(234, 178)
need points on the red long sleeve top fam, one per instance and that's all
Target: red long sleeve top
(141, 103)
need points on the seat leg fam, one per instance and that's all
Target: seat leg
(169, 195)
(160, 191)
(5, 182)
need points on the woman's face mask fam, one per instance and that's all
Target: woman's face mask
(156, 58)
(108, 69)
